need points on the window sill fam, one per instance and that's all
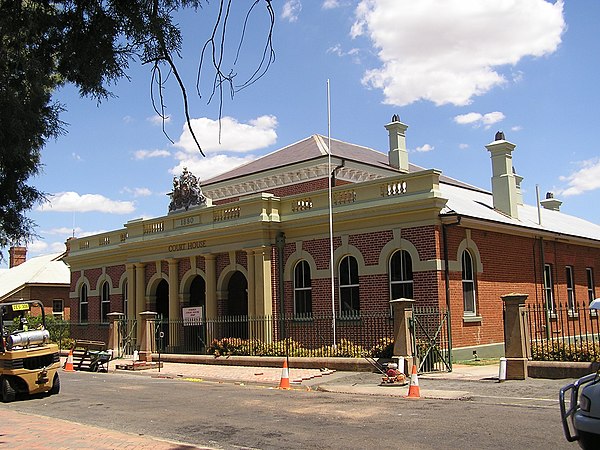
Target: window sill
(472, 319)
(573, 314)
(593, 313)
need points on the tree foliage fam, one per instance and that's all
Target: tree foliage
(90, 43)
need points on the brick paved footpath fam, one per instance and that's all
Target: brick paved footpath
(20, 431)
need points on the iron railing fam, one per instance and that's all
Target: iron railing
(301, 335)
(430, 333)
(564, 333)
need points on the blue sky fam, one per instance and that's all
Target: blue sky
(456, 71)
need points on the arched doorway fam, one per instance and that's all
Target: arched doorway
(162, 308)
(195, 335)
(237, 305)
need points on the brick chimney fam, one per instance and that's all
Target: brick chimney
(398, 155)
(504, 182)
(17, 256)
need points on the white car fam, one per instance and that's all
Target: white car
(581, 420)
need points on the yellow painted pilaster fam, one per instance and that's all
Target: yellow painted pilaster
(140, 296)
(210, 268)
(251, 284)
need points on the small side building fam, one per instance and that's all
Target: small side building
(45, 278)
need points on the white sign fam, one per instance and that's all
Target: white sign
(192, 315)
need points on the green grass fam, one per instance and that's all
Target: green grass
(479, 362)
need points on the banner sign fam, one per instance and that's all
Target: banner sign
(192, 315)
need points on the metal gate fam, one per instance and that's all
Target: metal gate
(430, 332)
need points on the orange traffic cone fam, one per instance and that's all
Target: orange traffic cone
(69, 364)
(413, 389)
(285, 377)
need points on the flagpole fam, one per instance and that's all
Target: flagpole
(331, 262)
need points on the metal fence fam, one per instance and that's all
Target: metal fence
(306, 335)
(430, 330)
(564, 333)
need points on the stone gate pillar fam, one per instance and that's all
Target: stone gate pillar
(114, 338)
(516, 338)
(148, 341)
(402, 313)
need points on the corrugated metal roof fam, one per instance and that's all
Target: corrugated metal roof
(479, 205)
(46, 269)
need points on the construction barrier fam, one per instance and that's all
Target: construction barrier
(413, 389)
(285, 377)
(69, 363)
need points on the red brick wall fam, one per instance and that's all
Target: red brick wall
(93, 275)
(512, 264)
(294, 189)
(115, 273)
(183, 267)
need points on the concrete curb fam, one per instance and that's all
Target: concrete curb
(396, 391)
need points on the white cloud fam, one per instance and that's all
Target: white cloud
(138, 192)
(145, 154)
(424, 148)
(587, 178)
(291, 10)
(447, 51)
(478, 119)
(63, 231)
(463, 146)
(76, 157)
(331, 4)
(516, 128)
(74, 202)
(235, 136)
(209, 167)
(339, 51)
(158, 120)
(37, 248)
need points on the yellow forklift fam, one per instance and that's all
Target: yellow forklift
(29, 363)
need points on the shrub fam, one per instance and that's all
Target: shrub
(255, 347)
(583, 351)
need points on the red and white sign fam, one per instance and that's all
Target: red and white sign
(192, 315)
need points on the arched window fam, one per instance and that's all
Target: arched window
(105, 302)
(83, 304)
(125, 296)
(401, 275)
(468, 283)
(302, 289)
(349, 286)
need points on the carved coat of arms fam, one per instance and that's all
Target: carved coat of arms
(186, 192)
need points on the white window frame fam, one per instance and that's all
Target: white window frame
(304, 266)
(125, 295)
(104, 302)
(590, 284)
(549, 288)
(403, 283)
(84, 301)
(58, 314)
(570, 287)
(351, 286)
(469, 285)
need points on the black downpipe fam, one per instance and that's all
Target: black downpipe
(447, 281)
(280, 243)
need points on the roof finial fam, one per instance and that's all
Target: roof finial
(395, 118)
(499, 136)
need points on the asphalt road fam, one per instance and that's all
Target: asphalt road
(230, 416)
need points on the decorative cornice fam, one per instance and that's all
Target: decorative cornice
(291, 177)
